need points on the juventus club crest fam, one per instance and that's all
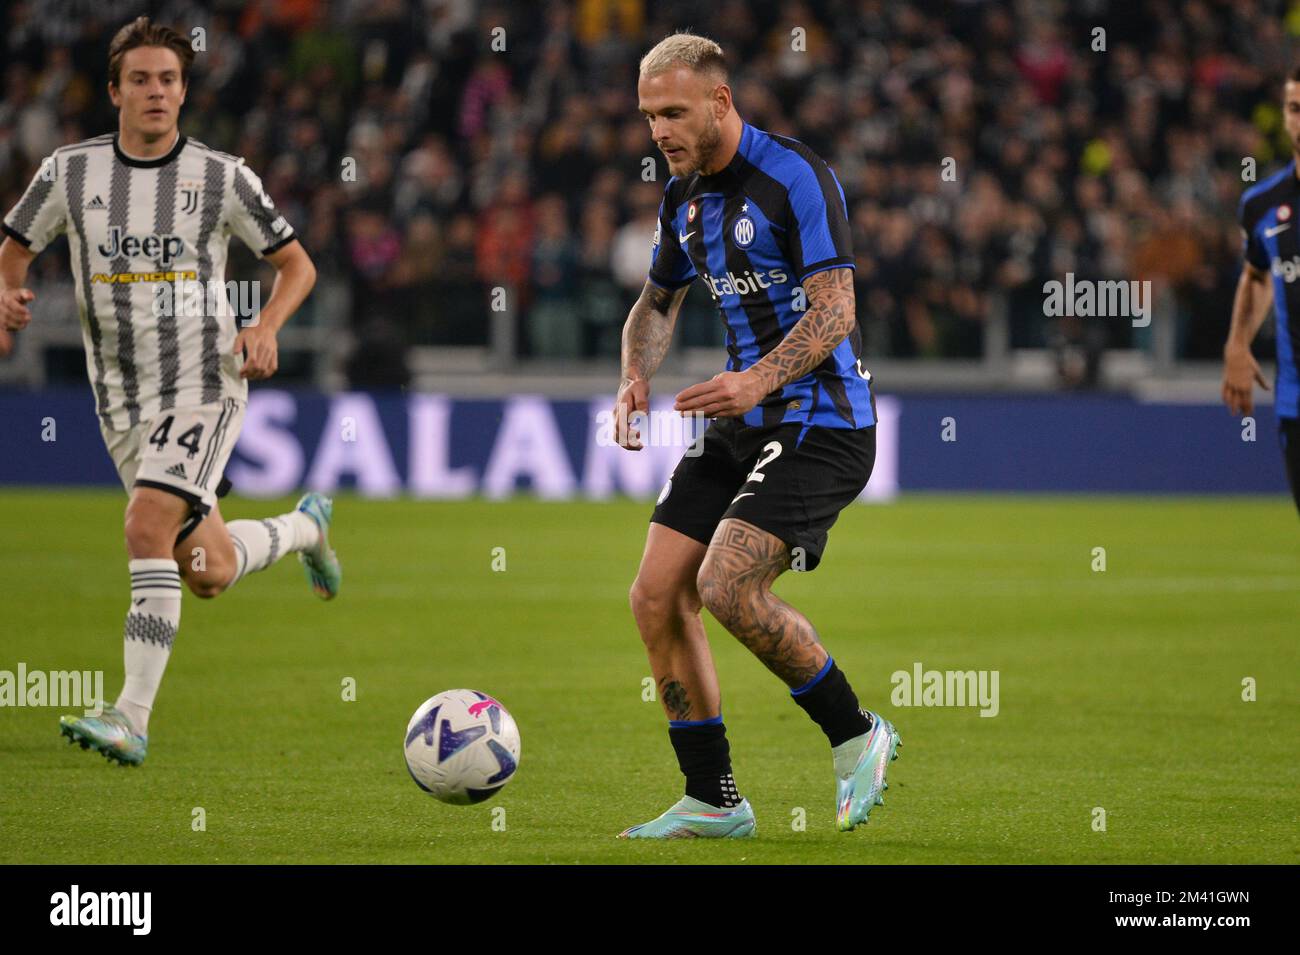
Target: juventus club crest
(189, 197)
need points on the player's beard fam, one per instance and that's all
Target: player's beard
(705, 147)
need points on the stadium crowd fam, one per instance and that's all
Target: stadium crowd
(427, 167)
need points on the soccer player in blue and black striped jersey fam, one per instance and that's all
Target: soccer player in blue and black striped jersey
(1271, 276)
(761, 220)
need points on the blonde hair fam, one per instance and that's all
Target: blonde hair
(699, 53)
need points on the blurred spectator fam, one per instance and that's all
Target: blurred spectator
(461, 301)
(604, 304)
(554, 326)
(630, 255)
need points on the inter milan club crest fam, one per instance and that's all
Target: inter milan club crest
(743, 232)
(189, 197)
(1283, 213)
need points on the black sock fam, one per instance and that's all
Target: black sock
(705, 760)
(833, 705)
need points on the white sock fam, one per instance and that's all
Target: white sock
(259, 544)
(151, 624)
(845, 756)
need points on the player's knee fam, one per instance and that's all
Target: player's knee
(208, 572)
(656, 601)
(148, 533)
(646, 602)
(210, 581)
(205, 585)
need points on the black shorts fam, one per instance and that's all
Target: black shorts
(768, 477)
(1288, 434)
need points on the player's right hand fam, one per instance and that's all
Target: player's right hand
(1240, 375)
(14, 314)
(633, 396)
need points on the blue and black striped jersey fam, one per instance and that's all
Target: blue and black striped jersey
(1268, 217)
(753, 232)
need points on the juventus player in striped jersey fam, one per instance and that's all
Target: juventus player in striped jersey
(148, 211)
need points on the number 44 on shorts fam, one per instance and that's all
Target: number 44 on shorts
(189, 440)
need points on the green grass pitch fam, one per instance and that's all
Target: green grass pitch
(1119, 689)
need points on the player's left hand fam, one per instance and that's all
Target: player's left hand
(1240, 374)
(261, 353)
(726, 395)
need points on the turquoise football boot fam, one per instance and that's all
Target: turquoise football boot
(109, 733)
(322, 564)
(861, 788)
(692, 819)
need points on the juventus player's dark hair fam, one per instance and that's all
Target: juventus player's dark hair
(141, 32)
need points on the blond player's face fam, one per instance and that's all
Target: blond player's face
(682, 111)
(150, 92)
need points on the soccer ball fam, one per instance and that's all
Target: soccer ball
(462, 747)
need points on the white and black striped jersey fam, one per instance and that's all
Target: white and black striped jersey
(133, 224)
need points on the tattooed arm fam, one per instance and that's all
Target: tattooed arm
(646, 336)
(830, 318)
(649, 329)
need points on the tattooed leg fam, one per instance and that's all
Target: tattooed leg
(667, 610)
(735, 583)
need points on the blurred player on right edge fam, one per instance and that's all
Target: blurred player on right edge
(1268, 218)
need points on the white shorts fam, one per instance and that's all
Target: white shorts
(182, 451)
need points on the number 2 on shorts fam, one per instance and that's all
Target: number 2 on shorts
(771, 451)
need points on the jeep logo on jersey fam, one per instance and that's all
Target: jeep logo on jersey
(163, 249)
(732, 284)
(743, 232)
(1287, 269)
